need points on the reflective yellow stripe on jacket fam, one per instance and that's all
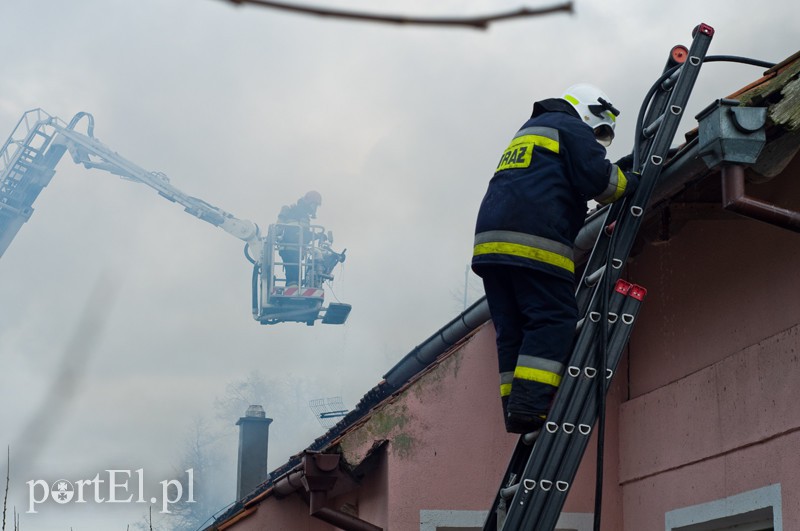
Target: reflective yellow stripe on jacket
(617, 182)
(523, 245)
(519, 152)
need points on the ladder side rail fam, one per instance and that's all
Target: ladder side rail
(632, 213)
(654, 105)
(546, 505)
(562, 419)
(586, 378)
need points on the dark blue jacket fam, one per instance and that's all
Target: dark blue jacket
(536, 201)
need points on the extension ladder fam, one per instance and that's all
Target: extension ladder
(543, 465)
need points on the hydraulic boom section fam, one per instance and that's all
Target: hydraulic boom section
(38, 142)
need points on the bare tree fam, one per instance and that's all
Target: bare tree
(204, 455)
(8, 479)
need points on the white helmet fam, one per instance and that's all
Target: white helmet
(594, 108)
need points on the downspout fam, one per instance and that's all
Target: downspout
(735, 200)
(318, 476)
(731, 137)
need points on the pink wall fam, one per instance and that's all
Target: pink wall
(448, 448)
(714, 368)
(726, 429)
(713, 289)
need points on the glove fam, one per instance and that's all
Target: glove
(625, 163)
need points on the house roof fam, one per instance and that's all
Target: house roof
(778, 90)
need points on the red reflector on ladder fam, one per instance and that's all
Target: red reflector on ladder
(622, 287)
(638, 292)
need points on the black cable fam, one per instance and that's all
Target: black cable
(602, 366)
(738, 59)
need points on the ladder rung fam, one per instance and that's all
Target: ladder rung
(592, 279)
(508, 492)
(651, 129)
(668, 83)
(530, 438)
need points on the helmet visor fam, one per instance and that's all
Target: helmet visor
(604, 134)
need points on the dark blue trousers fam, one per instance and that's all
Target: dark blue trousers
(535, 315)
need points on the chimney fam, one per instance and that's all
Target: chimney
(253, 445)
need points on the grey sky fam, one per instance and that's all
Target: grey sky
(246, 108)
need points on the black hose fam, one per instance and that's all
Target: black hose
(738, 59)
(640, 118)
(247, 253)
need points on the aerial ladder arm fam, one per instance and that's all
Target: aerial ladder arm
(39, 141)
(87, 150)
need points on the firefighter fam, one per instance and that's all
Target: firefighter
(534, 206)
(296, 234)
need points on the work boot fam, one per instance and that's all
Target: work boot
(523, 423)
